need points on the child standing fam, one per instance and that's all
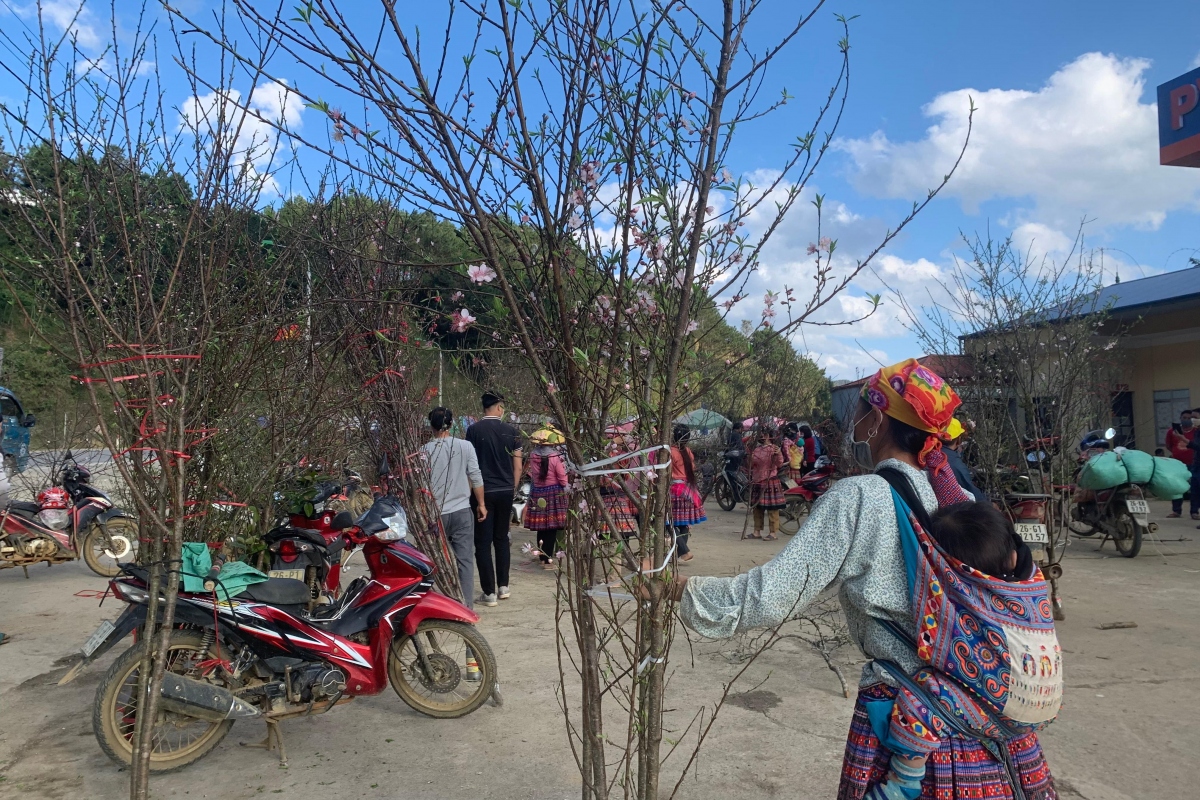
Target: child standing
(547, 511)
(686, 506)
(766, 491)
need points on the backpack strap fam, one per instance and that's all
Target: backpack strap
(903, 487)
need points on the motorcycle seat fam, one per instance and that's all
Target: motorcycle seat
(278, 592)
(24, 507)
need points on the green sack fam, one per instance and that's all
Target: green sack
(1103, 471)
(233, 579)
(1139, 464)
(1171, 478)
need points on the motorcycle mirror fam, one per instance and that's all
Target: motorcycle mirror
(68, 455)
(1110, 433)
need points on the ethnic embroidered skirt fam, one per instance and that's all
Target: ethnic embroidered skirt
(767, 494)
(622, 510)
(961, 769)
(686, 508)
(547, 509)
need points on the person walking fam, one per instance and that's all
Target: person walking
(686, 507)
(1179, 439)
(766, 491)
(454, 480)
(498, 448)
(852, 539)
(810, 446)
(546, 513)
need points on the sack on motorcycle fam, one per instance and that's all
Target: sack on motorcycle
(1139, 464)
(1170, 480)
(1103, 471)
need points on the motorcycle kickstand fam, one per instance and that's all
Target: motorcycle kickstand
(274, 739)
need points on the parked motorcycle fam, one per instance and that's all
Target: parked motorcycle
(1120, 513)
(731, 486)
(72, 520)
(260, 655)
(800, 497)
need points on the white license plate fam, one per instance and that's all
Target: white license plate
(297, 574)
(96, 639)
(1137, 506)
(1034, 532)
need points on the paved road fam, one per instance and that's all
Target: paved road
(1127, 731)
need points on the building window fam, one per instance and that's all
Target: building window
(1167, 405)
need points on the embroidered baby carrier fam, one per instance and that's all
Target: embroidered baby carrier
(994, 663)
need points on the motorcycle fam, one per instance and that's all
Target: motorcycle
(800, 497)
(1120, 513)
(731, 485)
(259, 654)
(92, 528)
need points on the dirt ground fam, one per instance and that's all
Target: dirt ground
(1128, 730)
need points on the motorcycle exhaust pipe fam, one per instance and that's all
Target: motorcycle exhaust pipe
(201, 700)
(1152, 527)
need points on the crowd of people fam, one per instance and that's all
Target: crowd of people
(958, 683)
(1183, 444)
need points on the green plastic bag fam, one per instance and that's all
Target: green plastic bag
(1103, 471)
(1171, 478)
(1139, 464)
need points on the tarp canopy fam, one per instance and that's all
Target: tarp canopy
(626, 426)
(702, 419)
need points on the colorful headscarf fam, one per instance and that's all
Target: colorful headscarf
(916, 396)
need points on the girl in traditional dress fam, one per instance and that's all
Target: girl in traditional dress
(852, 539)
(615, 491)
(686, 506)
(793, 451)
(547, 511)
(766, 490)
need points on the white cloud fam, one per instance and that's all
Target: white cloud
(68, 15)
(1196, 61)
(1082, 144)
(250, 127)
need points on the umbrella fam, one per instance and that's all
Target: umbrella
(702, 418)
(775, 422)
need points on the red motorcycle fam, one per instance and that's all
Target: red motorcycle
(76, 520)
(259, 654)
(800, 497)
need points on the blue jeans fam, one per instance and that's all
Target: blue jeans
(1177, 505)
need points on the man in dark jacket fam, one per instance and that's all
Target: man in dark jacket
(498, 450)
(956, 432)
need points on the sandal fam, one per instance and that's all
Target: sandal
(770, 538)
(549, 566)
(5, 638)
(1195, 516)
(1173, 515)
(754, 535)
(686, 557)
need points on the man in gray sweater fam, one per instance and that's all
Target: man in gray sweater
(453, 477)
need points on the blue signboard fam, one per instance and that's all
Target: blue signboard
(1179, 121)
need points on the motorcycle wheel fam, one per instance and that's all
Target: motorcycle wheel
(1128, 536)
(724, 494)
(789, 518)
(179, 740)
(446, 693)
(105, 547)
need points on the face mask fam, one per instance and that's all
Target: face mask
(1187, 423)
(861, 451)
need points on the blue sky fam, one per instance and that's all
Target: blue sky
(1065, 130)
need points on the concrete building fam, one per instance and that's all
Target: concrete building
(1159, 321)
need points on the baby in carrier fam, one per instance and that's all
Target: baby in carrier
(982, 538)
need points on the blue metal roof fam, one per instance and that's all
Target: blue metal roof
(1167, 287)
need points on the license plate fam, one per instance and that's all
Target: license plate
(96, 639)
(1137, 506)
(297, 574)
(1032, 532)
